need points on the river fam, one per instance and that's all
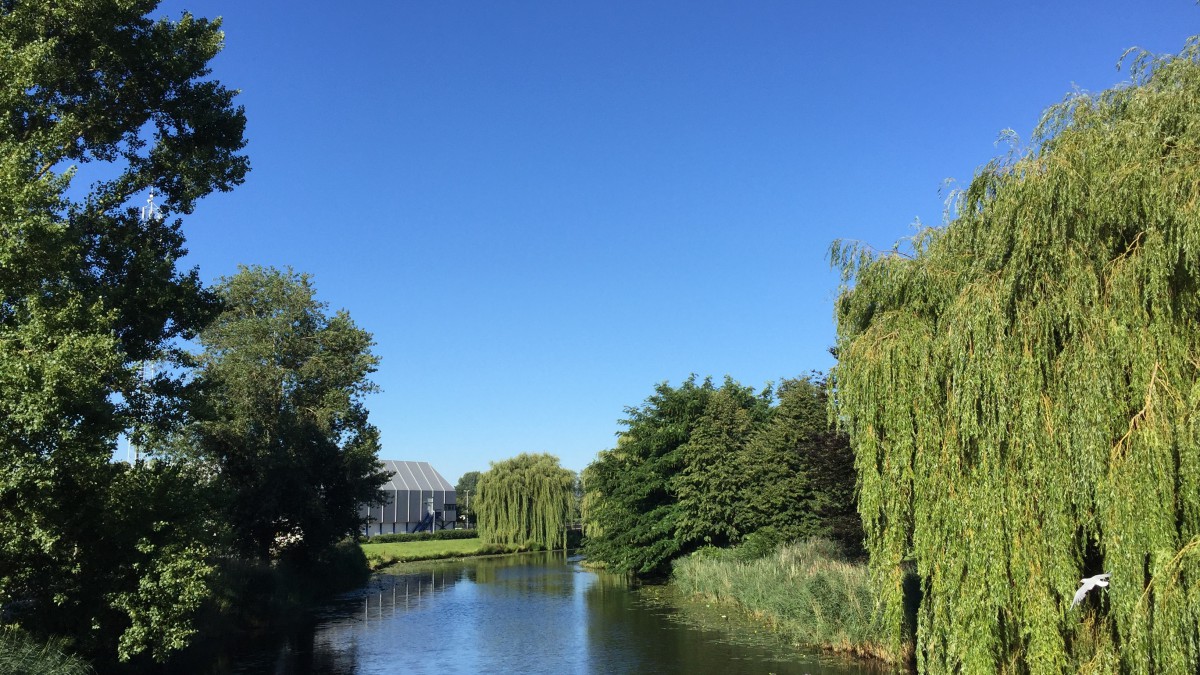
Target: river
(531, 613)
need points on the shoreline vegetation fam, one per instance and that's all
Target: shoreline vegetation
(24, 653)
(807, 591)
(385, 554)
(386, 550)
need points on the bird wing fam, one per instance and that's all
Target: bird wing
(1079, 595)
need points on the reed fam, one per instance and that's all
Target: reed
(20, 653)
(806, 591)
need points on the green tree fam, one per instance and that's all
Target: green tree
(629, 503)
(709, 487)
(281, 417)
(466, 490)
(1022, 395)
(526, 501)
(89, 291)
(798, 471)
(700, 465)
(157, 556)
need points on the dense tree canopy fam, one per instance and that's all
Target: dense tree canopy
(1022, 394)
(629, 505)
(709, 488)
(89, 291)
(526, 501)
(700, 465)
(281, 416)
(799, 471)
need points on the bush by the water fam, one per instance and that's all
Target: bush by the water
(806, 591)
(422, 536)
(760, 544)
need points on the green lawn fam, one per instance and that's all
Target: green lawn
(381, 555)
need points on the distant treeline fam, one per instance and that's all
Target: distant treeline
(700, 465)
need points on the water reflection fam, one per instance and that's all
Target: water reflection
(534, 613)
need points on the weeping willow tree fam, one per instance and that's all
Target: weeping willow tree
(1022, 390)
(525, 501)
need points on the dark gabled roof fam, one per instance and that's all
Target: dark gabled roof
(414, 476)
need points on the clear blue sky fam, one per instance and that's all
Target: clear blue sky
(542, 209)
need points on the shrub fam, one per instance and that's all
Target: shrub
(422, 536)
(760, 544)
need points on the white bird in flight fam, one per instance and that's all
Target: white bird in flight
(1088, 584)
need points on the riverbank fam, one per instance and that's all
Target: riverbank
(386, 554)
(391, 549)
(535, 611)
(805, 591)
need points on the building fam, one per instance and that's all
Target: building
(418, 499)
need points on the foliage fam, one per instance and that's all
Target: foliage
(281, 420)
(1022, 393)
(705, 466)
(251, 595)
(708, 488)
(806, 591)
(467, 485)
(799, 471)
(436, 535)
(21, 653)
(338, 568)
(629, 506)
(760, 543)
(89, 292)
(155, 553)
(526, 502)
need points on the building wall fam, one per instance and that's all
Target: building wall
(405, 510)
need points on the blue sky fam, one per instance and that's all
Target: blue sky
(542, 209)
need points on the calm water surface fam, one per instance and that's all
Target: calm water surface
(533, 613)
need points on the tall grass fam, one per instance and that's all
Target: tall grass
(806, 591)
(20, 653)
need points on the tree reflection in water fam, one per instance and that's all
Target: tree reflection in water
(531, 613)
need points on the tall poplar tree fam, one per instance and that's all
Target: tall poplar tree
(1023, 394)
(88, 292)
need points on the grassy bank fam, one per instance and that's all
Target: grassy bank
(388, 549)
(806, 591)
(389, 553)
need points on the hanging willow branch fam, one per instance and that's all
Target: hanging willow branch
(1023, 396)
(525, 501)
